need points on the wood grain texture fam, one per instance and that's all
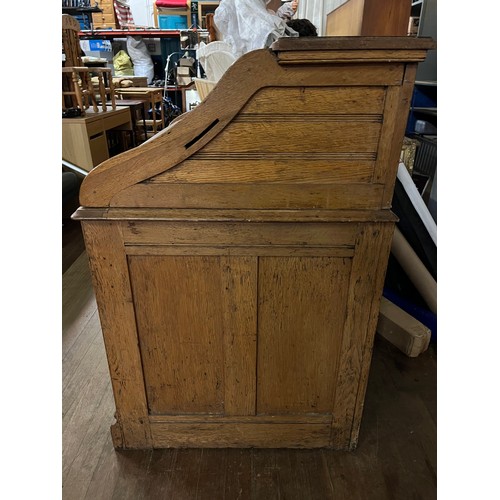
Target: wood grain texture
(114, 299)
(308, 101)
(329, 136)
(240, 215)
(179, 320)
(239, 310)
(198, 334)
(302, 304)
(365, 290)
(396, 451)
(250, 196)
(266, 234)
(196, 130)
(244, 249)
(257, 170)
(240, 435)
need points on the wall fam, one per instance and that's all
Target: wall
(316, 11)
(142, 12)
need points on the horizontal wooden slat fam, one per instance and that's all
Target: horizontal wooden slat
(242, 234)
(336, 43)
(283, 171)
(240, 435)
(299, 117)
(337, 137)
(329, 57)
(262, 196)
(311, 418)
(314, 100)
(275, 251)
(217, 215)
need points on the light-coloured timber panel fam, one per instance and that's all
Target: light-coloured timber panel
(233, 216)
(317, 100)
(108, 264)
(364, 292)
(392, 146)
(259, 170)
(297, 137)
(309, 418)
(178, 302)
(192, 131)
(350, 196)
(240, 435)
(240, 234)
(277, 251)
(302, 307)
(346, 19)
(239, 321)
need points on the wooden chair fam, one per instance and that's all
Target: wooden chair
(78, 90)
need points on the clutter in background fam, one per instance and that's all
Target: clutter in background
(247, 25)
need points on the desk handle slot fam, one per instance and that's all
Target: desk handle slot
(199, 136)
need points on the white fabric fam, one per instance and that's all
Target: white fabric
(247, 25)
(215, 57)
(286, 11)
(141, 59)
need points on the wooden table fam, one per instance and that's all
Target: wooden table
(239, 258)
(151, 96)
(137, 113)
(85, 139)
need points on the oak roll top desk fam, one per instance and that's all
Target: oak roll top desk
(238, 256)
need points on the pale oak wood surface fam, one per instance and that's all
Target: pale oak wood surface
(396, 452)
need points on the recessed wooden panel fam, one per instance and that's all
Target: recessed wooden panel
(179, 319)
(188, 323)
(317, 100)
(302, 306)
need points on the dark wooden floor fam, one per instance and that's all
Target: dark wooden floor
(395, 458)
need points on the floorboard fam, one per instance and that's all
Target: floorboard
(395, 458)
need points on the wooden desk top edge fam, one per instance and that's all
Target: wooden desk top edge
(353, 43)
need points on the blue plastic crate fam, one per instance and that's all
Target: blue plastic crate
(173, 22)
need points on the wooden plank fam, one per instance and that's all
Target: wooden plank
(365, 289)
(351, 43)
(409, 335)
(258, 170)
(391, 148)
(277, 251)
(265, 196)
(114, 298)
(239, 319)
(324, 57)
(268, 137)
(302, 305)
(316, 100)
(217, 215)
(227, 233)
(242, 419)
(180, 328)
(240, 435)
